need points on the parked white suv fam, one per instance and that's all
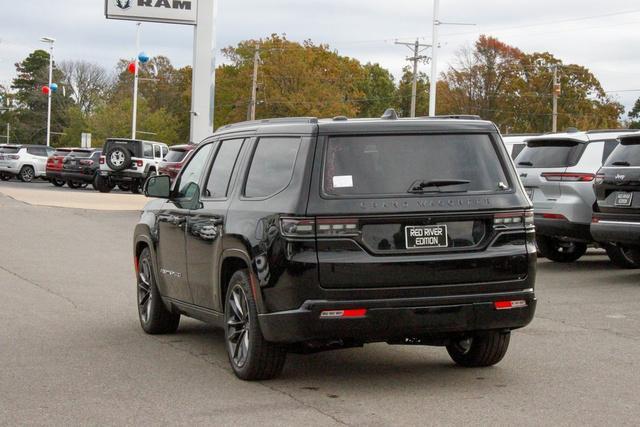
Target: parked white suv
(25, 162)
(128, 163)
(558, 171)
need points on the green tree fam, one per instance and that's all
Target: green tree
(379, 90)
(404, 93)
(634, 115)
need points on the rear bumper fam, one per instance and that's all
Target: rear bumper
(54, 174)
(77, 176)
(398, 318)
(123, 176)
(562, 228)
(621, 232)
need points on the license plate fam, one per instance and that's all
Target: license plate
(529, 192)
(426, 236)
(623, 199)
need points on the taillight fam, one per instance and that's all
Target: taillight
(86, 162)
(513, 218)
(322, 227)
(552, 216)
(595, 219)
(102, 160)
(599, 178)
(568, 176)
(13, 157)
(139, 163)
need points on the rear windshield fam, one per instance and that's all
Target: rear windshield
(175, 156)
(135, 147)
(625, 154)
(9, 150)
(550, 154)
(393, 164)
(81, 153)
(62, 152)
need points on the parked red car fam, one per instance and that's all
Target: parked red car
(55, 164)
(173, 161)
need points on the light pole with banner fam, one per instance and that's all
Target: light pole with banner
(201, 15)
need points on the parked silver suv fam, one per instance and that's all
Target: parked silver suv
(25, 162)
(557, 171)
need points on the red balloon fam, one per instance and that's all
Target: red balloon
(46, 90)
(132, 68)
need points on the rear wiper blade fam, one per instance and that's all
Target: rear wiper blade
(525, 163)
(420, 185)
(621, 163)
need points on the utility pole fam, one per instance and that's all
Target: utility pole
(556, 92)
(134, 119)
(8, 132)
(434, 59)
(416, 47)
(51, 42)
(251, 114)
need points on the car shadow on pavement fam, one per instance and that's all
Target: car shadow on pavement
(612, 275)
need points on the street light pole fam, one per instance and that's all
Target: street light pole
(434, 59)
(135, 85)
(51, 43)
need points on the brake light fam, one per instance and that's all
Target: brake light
(595, 219)
(353, 312)
(323, 227)
(102, 160)
(139, 163)
(13, 157)
(508, 305)
(599, 178)
(568, 177)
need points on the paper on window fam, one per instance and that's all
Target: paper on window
(342, 181)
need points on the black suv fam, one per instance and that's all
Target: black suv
(616, 216)
(303, 235)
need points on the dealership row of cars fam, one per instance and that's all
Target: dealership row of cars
(124, 163)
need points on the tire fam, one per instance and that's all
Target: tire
(118, 158)
(57, 182)
(73, 184)
(124, 187)
(5, 177)
(483, 349)
(559, 251)
(623, 257)
(94, 183)
(252, 358)
(136, 187)
(154, 317)
(26, 174)
(102, 184)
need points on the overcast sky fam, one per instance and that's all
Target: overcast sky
(602, 36)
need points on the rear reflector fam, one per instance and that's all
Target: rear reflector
(508, 305)
(353, 312)
(553, 216)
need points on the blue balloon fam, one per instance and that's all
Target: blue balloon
(143, 57)
(53, 87)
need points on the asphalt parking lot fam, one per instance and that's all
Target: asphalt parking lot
(72, 351)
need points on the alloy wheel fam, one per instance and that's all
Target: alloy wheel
(27, 174)
(238, 326)
(144, 290)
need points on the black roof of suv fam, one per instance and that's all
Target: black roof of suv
(337, 232)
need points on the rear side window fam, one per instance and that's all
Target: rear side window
(517, 149)
(609, 146)
(625, 154)
(223, 165)
(9, 150)
(550, 154)
(272, 166)
(37, 151)
(175, 156)
(147, 150)
(394, 164)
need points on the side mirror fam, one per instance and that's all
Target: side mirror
(158, 186)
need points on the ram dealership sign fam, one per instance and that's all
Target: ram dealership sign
(169, 11)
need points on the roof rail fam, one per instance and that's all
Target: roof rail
(454, 116)
(276, 120)
(611, 130)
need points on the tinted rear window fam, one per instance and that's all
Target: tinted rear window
(62, 152)
(625, 154)
(9, 150)
(391, 164)
(550, 154)
(81, 153)
(272, 166)
(175, 156)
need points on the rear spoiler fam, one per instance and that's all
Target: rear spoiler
(541, 141)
